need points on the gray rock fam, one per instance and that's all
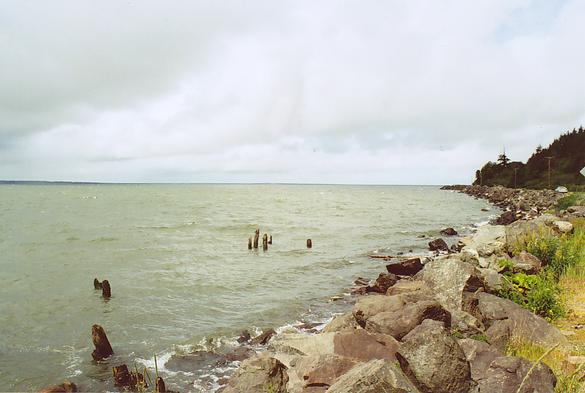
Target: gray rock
(432, 358)
(342, 322)
(401, 322)
(257, 375)
(480, 355)
(562, 227)
(526, 263)
(505, 319)
(451, 279)
(376, 376)
(505, 374)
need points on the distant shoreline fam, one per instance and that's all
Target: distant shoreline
(71, 183)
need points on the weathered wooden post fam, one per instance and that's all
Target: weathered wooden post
(270, 240)
(256, 237)
(160, 385)
(103, 349)
(249, 243)
(106, 290)
(122, 376)
(97, 284)
(265, 242)
(309, 243)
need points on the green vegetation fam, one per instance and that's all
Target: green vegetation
(572, 199)
(542, 293)
(566, 159)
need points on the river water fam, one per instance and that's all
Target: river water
(182, 277)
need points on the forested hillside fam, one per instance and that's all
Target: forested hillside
(566, 157)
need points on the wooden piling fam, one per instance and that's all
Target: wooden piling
(106, 290)
(309, 243)
(97, 284)
(270, 240)
(265, 242)
(160, 385)
(65, 387)
(103, 349)
(249, 243)
(256, 237)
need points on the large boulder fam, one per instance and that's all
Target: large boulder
(258, 375)
(407, 267)
(376, 376)
(487, 241)
(356, 344)
(506, 373)
(451, 279)
(562, 227)
(430, 356)
(316, 373)
(480, 355)
(505, 320)
(420, 288)
(401, 322)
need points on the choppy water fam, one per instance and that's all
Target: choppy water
(177, 259)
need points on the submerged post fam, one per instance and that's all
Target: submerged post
(106, 290)
(249, 243)
(256, 236)
(103, 349)
(270, 240)
(309, 243)
(265, 242)
(97, 284)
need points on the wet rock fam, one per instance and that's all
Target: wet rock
(408, 267)
(65, 387)
(376, 376)
(263, 338)
(360, 281)
(244, 337)
(239, 354)
(255, 375)
(449, 232)
(438, 245)
(434, 360)
(505, 374)
(194, 361)
(103, 349)
(505, 319)
(382, 283)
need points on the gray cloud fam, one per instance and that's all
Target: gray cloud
(399, 92)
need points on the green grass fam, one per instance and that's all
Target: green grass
(571, 199)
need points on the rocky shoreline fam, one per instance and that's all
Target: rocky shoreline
(427, 324)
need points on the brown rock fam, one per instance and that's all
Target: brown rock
(408, 267)
(257, 374)
(382, 283)
(438, 245)
(449, 232)
(505, 374)
(263, 338)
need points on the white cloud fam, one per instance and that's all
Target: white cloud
(358, 92)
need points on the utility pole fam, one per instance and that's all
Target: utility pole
(515, 177)
(549, 158)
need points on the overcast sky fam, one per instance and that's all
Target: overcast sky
(390, 92)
